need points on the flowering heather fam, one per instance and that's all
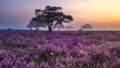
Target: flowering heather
(65, 49)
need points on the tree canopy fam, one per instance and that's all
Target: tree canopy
(49, 17)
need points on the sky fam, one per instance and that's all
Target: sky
(101, 14)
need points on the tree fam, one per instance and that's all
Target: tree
(69, 27)
(32, 24)
(86, 26)
(59, 26)
(35, 24)
(50, 17)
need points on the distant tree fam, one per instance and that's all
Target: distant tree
(30, 25)
(50, 17)
(9, 29)
(68, 27)
(86, 27)
(35, 24)
(80, 30)
(59, 26)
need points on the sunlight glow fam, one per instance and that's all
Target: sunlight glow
(103, 11)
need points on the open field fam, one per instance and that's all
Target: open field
(59, 49)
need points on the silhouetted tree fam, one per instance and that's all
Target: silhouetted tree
(9, 29)
(50, 17)
(35, 24)
(86, 26)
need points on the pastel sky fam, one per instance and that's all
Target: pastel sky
(101, 14)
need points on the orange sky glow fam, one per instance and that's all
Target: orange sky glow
(99, 13)
(96, 11)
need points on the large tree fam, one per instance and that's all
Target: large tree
(35, 24)
(50, 17)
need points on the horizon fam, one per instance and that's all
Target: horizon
(102, 15)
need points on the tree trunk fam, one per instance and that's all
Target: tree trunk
(50, 28)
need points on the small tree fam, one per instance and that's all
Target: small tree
(86, 27)
(50, 17)
(9, 29)
(59, 26)
(68, 27)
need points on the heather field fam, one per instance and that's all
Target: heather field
(59, 49)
